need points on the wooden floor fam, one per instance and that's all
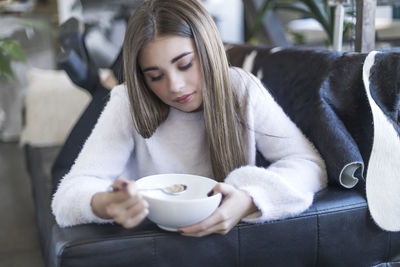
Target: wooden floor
(19, 238)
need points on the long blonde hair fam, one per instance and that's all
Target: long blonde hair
(223, 114)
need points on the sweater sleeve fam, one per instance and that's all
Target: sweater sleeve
(287, 187)
(101, 160)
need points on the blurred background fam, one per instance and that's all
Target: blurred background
(39, 104)
(30, 28)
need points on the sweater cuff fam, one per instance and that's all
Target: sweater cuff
(274, 196)
(256, 194)
(72, 202)
(86, 197)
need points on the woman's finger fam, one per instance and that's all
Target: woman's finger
(128, 208)
(122, 189)
(137, 208)
(127, 200)
(214, 222)
(133, 221)
(220, 222)
(224, 189)
(221, 227)
(202, 226)
(224, 218)
(120, 184)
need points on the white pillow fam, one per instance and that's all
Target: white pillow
(53, 104)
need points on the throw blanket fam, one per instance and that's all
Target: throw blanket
(347, 105)
(382, 84)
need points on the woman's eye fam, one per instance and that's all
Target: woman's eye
(187, 66)
(157, 78)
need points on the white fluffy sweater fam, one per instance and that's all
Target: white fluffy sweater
(114, 148)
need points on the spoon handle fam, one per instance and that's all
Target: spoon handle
(149, 188)
(114, 189)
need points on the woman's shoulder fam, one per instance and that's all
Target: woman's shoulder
(249, 87)
(120, 90)
(245, 83)
(239, 75)
(119, 98)
(242, 78)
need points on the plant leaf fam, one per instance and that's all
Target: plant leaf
(12, 49)
(303, 11)
(259, 18)
(321, 16)
(5, 66)
(32, 23)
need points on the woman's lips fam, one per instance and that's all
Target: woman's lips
(184, 99)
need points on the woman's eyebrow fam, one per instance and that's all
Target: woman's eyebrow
(149, 69)
(175, 59)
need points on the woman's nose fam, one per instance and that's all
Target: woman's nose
(176, 83)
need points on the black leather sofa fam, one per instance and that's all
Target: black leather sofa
(337, 230)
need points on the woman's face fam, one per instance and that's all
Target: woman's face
(171, 69)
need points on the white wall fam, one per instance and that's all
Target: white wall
(229, 18)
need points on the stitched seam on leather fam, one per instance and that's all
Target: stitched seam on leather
(329, 210)
(352, 206)
(343, 207)
(389, 248)
(60, 255)
(339, 211)
(100, 240)
(238, 254)
(154, 251)
(318, 242)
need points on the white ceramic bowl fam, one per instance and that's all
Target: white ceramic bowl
(193, 205)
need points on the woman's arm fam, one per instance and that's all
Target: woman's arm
(101, 161)
(284, 189)
(287, 187)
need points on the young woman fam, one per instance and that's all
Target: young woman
(182, 109)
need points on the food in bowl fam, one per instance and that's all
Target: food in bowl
(193, 205)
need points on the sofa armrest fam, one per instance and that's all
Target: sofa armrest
(38, 162)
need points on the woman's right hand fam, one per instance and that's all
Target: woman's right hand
(124, 205)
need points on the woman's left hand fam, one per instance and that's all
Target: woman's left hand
(235, 205)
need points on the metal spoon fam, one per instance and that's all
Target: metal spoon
(174, 189)
(169, 190)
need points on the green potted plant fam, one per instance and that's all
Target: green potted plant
(320, 10)
(10, 49)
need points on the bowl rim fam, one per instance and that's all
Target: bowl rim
(171, 200)
(183, 200)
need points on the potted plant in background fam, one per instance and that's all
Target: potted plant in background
(9, 50)
(12, 51)
(323, 11)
